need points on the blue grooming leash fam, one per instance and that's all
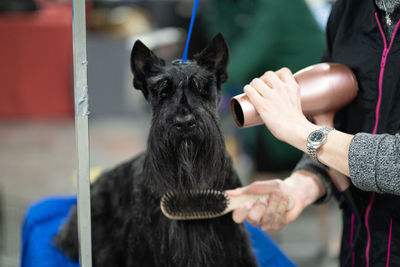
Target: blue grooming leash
(184, 57)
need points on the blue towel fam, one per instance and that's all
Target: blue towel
(44, 218)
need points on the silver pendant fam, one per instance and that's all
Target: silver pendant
(388, 20)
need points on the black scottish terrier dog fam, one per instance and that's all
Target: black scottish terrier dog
(185, 151)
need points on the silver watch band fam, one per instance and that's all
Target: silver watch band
(312, 151)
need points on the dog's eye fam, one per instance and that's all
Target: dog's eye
(164, 88)
(194, 84)
(203, 91)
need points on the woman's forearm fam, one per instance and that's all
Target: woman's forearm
(334, 153)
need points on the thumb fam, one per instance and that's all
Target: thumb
(234, 192)
(256, 188)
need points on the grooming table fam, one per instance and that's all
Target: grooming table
(44, 218)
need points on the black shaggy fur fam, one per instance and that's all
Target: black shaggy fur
(185, 150)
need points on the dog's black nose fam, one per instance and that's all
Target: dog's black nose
(184, 122)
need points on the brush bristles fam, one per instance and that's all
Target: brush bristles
(194, 204)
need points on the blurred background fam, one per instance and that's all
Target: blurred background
(37, 135)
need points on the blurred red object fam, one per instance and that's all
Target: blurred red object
(36, 78)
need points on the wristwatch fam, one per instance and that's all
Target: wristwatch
(315, 140)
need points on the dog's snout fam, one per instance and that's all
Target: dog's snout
(185, 122)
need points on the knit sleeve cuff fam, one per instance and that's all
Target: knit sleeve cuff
(362, 160)
(374, 162)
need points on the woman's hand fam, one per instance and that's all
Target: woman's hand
(276, 97)
(271, 213)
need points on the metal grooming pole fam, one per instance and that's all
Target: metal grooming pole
(82, 131)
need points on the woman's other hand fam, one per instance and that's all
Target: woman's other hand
(271, 213)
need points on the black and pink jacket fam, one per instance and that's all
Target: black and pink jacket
(356, 39)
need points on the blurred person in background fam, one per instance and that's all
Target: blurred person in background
(262, 35)
(365, 144)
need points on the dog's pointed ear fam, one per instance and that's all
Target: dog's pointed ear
(144, 63)
(215, 57)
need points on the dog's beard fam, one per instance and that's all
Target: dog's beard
(187, 156)
(187, 161)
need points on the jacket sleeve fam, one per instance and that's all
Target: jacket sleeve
(374, 162)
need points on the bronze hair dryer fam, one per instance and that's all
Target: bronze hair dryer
(324, 89)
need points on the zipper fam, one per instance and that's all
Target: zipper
(368, 231)
(385, 53)
(382, 71)
(389, 241)
(384, 57)
(353, 254)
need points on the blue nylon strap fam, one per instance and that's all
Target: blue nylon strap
(184, 57)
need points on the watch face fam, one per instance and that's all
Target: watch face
(317, 136)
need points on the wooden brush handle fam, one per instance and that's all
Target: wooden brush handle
(238, 201)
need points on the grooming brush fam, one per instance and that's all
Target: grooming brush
(204, 204)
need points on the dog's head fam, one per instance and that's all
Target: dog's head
(185, 141)
(183, 96)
